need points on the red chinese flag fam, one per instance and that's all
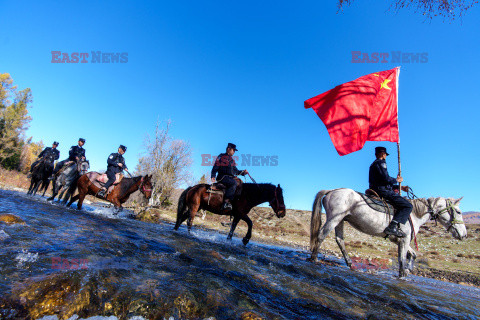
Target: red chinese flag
(361, 110)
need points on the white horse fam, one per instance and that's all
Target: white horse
(347, 205)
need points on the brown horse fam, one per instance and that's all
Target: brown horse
(120, 193)
(252, 194)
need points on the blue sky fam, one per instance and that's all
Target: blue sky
(239, 72)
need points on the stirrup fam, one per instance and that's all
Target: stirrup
(227, 206)
(102, 193)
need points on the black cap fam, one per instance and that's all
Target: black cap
(123, 148)
(232, 146)
(56, 143)
(81, 139)
(381, 149)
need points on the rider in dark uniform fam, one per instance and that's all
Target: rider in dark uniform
(385, 186)
(116, 164)
(53, 152)
(74, 154)
(225, 166)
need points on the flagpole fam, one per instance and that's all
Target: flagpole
(398, 143)
(399, 168)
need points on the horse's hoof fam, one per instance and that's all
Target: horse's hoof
(312, 259)
(245, 241)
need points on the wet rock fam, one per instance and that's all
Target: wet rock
(10, 219)
(62, 294)
(250, 315)
(216, 255)
(187, 306)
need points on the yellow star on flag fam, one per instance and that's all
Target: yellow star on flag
(385, 84)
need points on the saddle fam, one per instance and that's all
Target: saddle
(219, 188)
(65, 166)
(99, 180)
(377, 203)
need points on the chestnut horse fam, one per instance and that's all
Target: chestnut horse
(252, 194)
(120, 193)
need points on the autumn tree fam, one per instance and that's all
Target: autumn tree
(30, 152)
(449, 9)
(14, 121)
(168, 160)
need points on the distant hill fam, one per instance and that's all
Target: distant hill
(471, 217)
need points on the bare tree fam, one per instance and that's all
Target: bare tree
(449, 9)
(168, 160)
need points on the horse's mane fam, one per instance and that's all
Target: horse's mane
(256, 191)
(127, 183)
(420, 207)
(247, 186)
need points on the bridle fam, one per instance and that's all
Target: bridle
(450, 208)
(142, 186)
(278, 205)
(80, 166)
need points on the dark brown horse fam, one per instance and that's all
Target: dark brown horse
(196, 198)
(120, 193)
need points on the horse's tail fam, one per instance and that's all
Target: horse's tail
(316, 222)
(182, 207)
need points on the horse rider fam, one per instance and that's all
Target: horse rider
(225, 166)
(53, 152)
(74, 154)
(385, 186)
(115, 164)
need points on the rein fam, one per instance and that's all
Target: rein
(450, 208)
(278, 206)
(142, 186)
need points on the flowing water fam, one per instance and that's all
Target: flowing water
(63, 263)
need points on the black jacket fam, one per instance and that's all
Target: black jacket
(379, 179)
(225, 166)
(76, 151)
(113, 160)
(50, 151)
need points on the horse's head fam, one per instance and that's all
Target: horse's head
(447, 211)
(82, 166)
(146, 186)
(277, 203)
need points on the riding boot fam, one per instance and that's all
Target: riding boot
(102, 192)
(393, 229)
(227, 206)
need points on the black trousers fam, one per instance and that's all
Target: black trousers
(231, 185)
(111, 179)
(404, 208)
